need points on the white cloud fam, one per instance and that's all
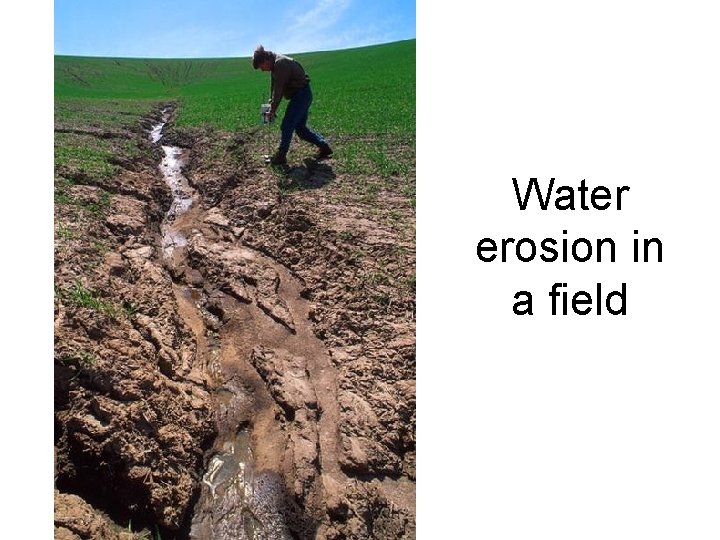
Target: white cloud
(321, 27)
(340, 39)
(323, 15)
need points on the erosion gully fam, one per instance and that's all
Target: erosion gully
(243, 495)
(230, 494)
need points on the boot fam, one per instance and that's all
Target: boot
(278, 159)
(324, 152)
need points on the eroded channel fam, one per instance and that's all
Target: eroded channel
(235, 501)
(171, 168)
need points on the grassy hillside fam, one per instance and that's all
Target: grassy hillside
(357, 91)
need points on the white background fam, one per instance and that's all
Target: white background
(536, 427)
(568, 427)
(26, 269)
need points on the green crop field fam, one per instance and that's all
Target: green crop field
(364, 105)
(368, 90)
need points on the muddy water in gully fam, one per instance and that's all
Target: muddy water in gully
(235, 502)
(183, 195)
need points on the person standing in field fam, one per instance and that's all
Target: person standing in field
(288, 79)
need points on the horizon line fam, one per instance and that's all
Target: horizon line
(223, 57)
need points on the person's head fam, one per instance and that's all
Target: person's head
(263, 59)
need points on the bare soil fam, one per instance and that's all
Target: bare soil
(289, 313)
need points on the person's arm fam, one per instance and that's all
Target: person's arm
(280, 76)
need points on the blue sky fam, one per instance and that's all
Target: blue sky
(219, 28)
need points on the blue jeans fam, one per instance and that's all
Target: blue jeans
(295, 120)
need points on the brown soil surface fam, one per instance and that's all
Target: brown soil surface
(289, 312)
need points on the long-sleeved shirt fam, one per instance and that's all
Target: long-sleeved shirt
(288, 76)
